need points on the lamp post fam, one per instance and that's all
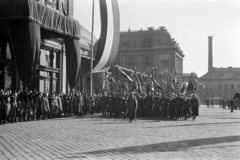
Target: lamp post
(91, 74)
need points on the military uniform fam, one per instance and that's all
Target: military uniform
(104, 103)
(117, 106)
(141, 107)
(124, 105)
(186, 106)
(172, 107)
(156, 106)
(195, 105)
(111, 103)
(149, 105)
(132, 104)
(165, 103)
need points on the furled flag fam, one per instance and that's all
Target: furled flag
(156, 83)
(192, 82)
(135, 83)
(129, 79)
(106, 83)
(112, 81)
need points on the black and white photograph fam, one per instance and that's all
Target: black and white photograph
(119, 79)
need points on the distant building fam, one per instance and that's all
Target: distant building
(218, 82)
(144, 48)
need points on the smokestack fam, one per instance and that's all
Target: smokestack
(210, 55)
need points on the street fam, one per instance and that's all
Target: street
(214, 135)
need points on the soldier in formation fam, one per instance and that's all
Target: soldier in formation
(151, 106)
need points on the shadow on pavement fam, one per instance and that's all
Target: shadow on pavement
(162, 147)
(185, 125)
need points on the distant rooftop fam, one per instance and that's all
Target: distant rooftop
(158, 38)
(222, 74)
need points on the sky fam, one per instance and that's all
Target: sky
(189, 22)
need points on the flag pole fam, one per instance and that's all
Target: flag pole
(91, 74)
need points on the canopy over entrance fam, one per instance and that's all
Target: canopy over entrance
(27, 22)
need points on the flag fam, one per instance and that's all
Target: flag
(135, 83)
(126, 88)
(192, 82)
(119, 85)
(156, 83)
(169, 87)
(124, 74)
(106, 85)
(112, 82)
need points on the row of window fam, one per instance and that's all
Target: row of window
(220, 87)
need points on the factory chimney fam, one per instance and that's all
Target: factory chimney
(210, 55)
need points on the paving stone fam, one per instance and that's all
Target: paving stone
(214, 135)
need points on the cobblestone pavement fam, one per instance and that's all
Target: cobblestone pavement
(214, 135)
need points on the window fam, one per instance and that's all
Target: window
(164, 63)
(219, 86)
(44, 58)
(117, 61)
(146, 63)
(206, 86)
(125, 43)
(238, 86)
(232, 86)
(131, 63)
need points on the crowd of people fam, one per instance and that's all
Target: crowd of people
(162, 107)
(30, 106)
(224, 103)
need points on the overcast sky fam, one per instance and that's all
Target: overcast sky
(189, 22)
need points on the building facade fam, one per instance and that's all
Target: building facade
(146, 48)
(50, 75)
(218, 82)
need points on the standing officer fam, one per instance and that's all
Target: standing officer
(195, 106)
(132, 104)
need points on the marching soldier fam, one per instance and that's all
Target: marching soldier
(165, 103)
(111, 104)
(172, 107)
(141, 107)
(104, 103)
(156, 106)
(124, 105)
(186, 107)
(149, 104)
(179, 106)
(117, 106)
(195, 106)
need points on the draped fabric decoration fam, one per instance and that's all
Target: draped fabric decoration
(73, 58)
(27, 21)
(25, 39)
(110, 33)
